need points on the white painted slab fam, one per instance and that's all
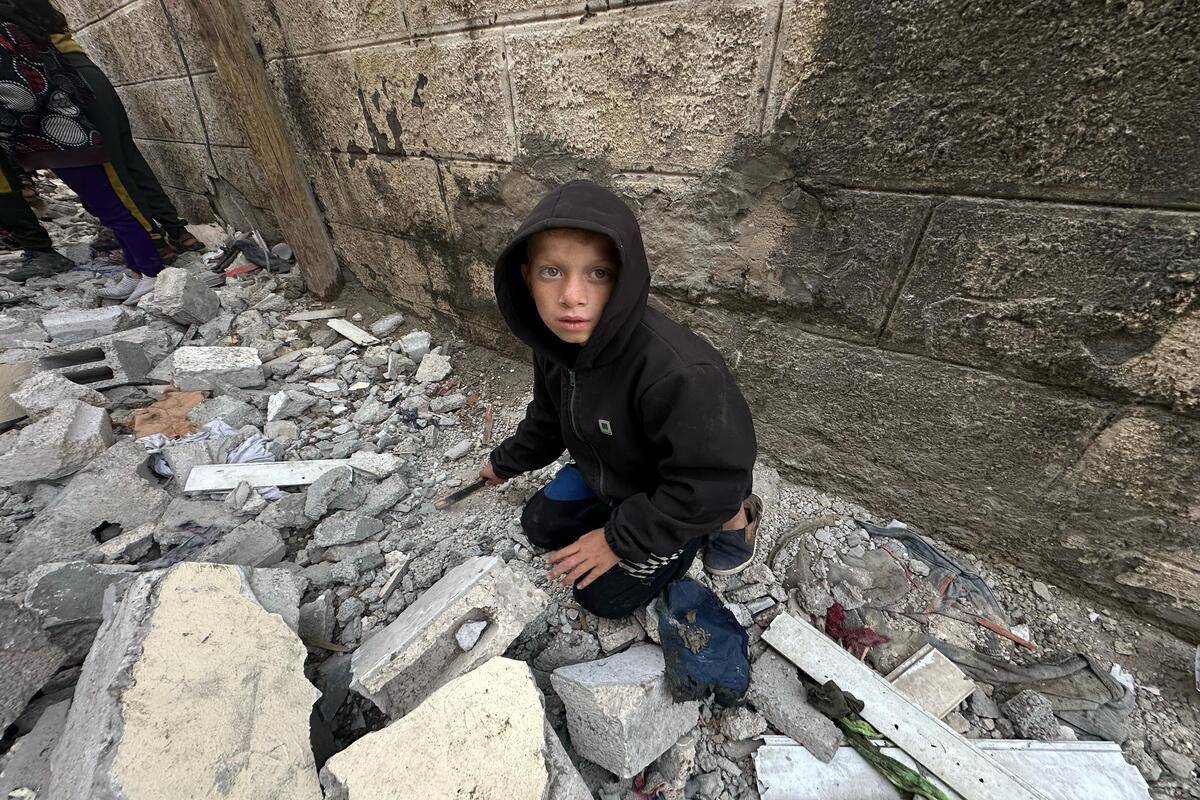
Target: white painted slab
(934, 744)
(1062, 770)
(223, 477)
(352, 332)
(320, 313)
(933, 681)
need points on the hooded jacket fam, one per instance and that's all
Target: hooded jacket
(648, 410)
(42, 122)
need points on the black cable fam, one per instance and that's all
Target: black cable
(192, 83)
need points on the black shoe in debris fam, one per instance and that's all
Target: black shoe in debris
(186, 243)
(730, 552)
(40, 264)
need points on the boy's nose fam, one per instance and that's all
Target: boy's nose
(574, 292)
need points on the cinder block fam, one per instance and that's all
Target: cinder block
(41, 392)
(100, 363)
(620, 711)
(215, 368)
(401, 665)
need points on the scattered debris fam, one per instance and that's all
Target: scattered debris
(932, 681)
(352, 332)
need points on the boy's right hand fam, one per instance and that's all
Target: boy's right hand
(489, 474)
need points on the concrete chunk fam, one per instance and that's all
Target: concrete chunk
(59, 444)
(345, 527)
(41, 392)
(182, 296)
(191, 687)
(80, 325)
(385, 325)
(933, 681)
(776, 691)
(217, 368)
(620, 711)
(27, 765)
(70, 596)
(415, 345)
(288, 404)
(434, 367)
(414, 655)
(483, 735)
(251, 544)
(28, 658)
(317, 618)
(233, 412)
(103, 363)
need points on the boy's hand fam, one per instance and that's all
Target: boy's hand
(489, 474)
(584, 561)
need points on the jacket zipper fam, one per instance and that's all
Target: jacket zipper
(578, 435)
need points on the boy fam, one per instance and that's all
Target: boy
(661, 437)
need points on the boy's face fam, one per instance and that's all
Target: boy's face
(571, 274)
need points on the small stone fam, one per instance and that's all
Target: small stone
(1032, 716)
(345, 527)
(1177, 764)
(1042, 591)
(458, 451)
(434, 367)
(468, 634)
(415, 345)
(386, 325)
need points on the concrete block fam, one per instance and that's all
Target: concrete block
(70, 597)
(99, 364)
(17, 332)
(288, 404)
(251, 544)
(235, 413)
(674, 88)
(116, 489)
(182, 296)
(279, 591)
(1032, 715)
(377, 465)
(27, 764)
(127, 547)
(325, 492)
(933, 681)
(190, 684)
(415, 345)
(615, 635)
(28, 659)
(41, 392)
(61, 443)
(216, 368)
(317, 618)
(403, 663)
(619, 709)
(345, 527)
(1061, 295)
(80, 325)
(482, 735)
(434, 367)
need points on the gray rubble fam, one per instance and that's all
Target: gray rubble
(62, 442)
(28, 658)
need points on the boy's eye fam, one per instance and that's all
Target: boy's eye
(601, 274)
(550, 272)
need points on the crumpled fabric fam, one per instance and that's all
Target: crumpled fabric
(705, 648)
(857, 640)
(1082, 693)
(253, 450)
(167, 416)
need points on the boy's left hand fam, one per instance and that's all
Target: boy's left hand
(584, 561)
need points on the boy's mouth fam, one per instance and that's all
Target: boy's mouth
(573, 323)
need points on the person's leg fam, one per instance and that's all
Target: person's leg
(100, 188)
(562, 511)
(17, 219)
(618, 593)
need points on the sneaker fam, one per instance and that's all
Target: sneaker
(186, 243)
(40, 264)
(105, 242)
(730, 552)
(121, 290)
(144, 287)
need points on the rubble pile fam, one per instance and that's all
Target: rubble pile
(221, 565)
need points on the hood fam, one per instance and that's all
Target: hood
(578, 204)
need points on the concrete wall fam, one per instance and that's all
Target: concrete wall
(952, 250)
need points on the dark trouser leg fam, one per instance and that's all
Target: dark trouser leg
(108, 114)
(617, 594)
(17, 220)
(99, 187)
(553, 519)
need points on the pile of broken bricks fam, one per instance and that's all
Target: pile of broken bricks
(179, 624)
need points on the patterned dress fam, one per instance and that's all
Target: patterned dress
(42, 121)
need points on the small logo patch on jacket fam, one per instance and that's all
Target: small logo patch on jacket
(606, 427)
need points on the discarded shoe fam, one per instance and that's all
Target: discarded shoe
(40, 264)
(730, 552)
(144, 287)
(186, 243)
(121, 290)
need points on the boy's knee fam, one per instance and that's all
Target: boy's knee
(596, 600)
(533, 521)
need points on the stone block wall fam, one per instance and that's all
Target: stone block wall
(951, 250)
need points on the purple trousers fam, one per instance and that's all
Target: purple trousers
(102, 192)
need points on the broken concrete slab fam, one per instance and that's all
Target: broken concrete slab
(619, 709)
(776, 691)
(191, 683)
(403, 663)
(325, 490)
(103, 363)
(41, 392)
(226, 477)
(27, 764)
(278, 590)
(63, 442)
(482, 735)
(250, 544)
(377, 465)
(70, 598)
(233, 412)
(127, 547)
(288, 404)
(1067, 771)
(352, 332)
(80, 325)
(933, 681)
(218, 368)
(182, 296)
(345, 527)
(15, 332)
(434, 367)
(116, 489)
(1032, 714)
(28, 659)
(317, 618)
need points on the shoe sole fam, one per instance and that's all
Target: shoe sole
(753, 553)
